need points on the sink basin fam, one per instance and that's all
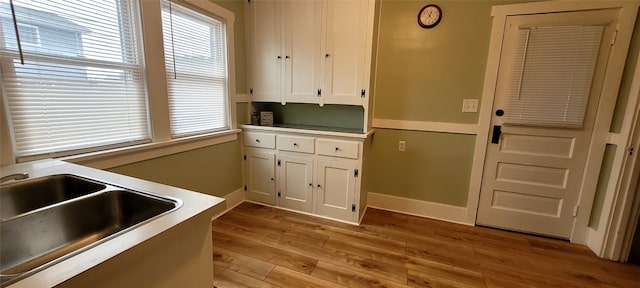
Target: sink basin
(24, 196)
(36, 239)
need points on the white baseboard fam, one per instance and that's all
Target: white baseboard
(420, 208)
(233, 199)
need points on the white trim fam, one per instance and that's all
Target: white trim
(122, 156)
(618, 212)
(606, 106)
(232, 200)
(484, 120)
(617, 138)
(558, 6)
(241, 98)
(420, 208)
(428, 126)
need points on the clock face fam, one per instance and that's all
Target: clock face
(429, 16)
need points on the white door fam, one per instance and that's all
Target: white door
(549, 83)
(295, 178)
(335, 189)
(260, 173)
(345, 51)
(267, 53)
(303, 73)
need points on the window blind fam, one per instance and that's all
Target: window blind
(81, 86)
(196, 65)
(551, 75)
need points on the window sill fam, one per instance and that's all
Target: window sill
(127, 155)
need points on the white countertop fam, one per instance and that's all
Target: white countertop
(312, 130)
(193, 204)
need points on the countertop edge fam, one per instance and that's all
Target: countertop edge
(361, 136)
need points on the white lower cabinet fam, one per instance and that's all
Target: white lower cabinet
(295, 177)
(260, 176)
(336, 188)
(313, 174)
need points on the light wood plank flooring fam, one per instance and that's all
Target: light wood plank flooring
(258, 246)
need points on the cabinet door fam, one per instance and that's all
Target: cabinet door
(335, 191)
(346, 44)
(260, 177)
(267, 53)
(303, 73)
(295, 176)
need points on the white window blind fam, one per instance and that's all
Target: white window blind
(551, 75)
(196, 65)
(81, 86)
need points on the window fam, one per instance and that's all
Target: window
(77, 81)
(82, 86)
(196, 66)
(29, 34)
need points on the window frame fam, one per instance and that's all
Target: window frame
(161, 143)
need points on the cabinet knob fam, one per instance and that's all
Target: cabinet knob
(337, 149)
(319, 186)
(271, 178)
(310, 185)
(295, 144)
(258, 140)
(287, 57)
(326, 55)
(279, 57)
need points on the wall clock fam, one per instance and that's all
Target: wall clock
(429, 16)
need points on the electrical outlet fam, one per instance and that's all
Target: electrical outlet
(470, 105)
(402, 145)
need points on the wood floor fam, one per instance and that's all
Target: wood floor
(257, 246)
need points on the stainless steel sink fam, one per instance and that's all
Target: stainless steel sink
(33, 240)
(24, 196)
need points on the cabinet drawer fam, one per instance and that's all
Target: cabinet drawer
(260, 140)
(296, 144)
(345, 149)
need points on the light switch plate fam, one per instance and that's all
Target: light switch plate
(470, 105)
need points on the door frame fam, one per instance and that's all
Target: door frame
(600, 136)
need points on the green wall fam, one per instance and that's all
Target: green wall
(339, 116)
(423, 75)
(214, 170)
(435, 167)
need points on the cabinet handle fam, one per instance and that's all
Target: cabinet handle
(258, 140)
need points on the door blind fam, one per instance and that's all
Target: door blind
(551, 75)
(77, 83)
(196, 65)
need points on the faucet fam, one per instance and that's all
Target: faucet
(16, 176)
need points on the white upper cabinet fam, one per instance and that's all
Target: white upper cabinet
(303, 72)
(347, 51)
(266, 51)
(311, 51)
